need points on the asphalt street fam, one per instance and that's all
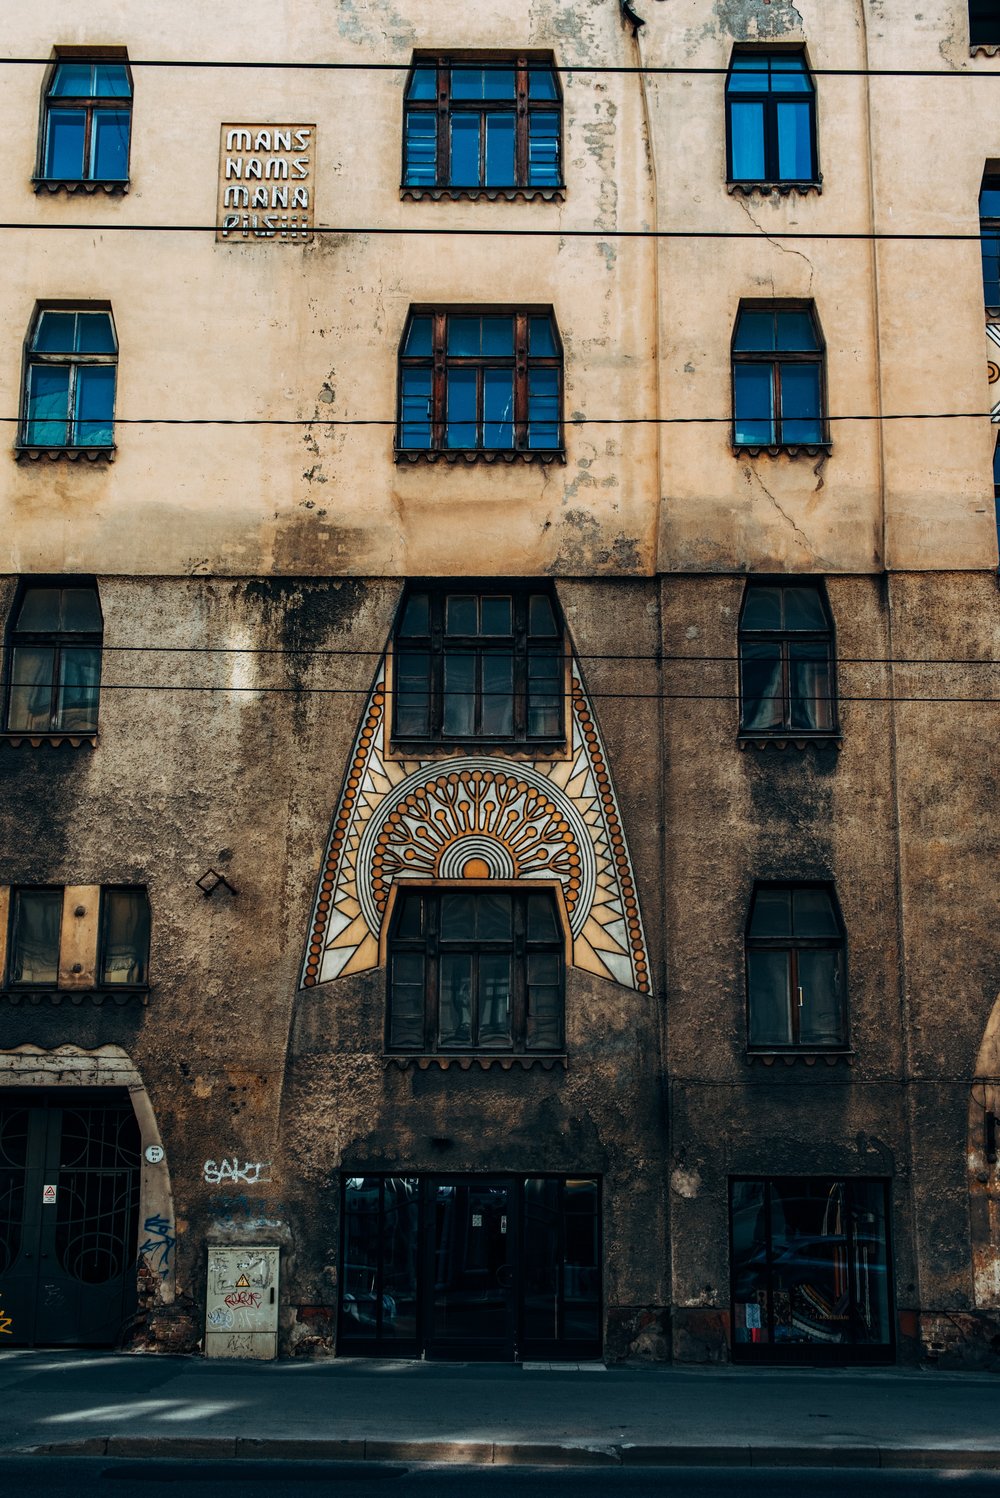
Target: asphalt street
(64, 1477)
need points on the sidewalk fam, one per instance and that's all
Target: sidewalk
(78, 1402)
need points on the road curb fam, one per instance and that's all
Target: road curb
(519, 1453)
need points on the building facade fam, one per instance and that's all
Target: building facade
(501, 626)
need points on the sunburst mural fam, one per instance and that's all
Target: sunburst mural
(478, 816)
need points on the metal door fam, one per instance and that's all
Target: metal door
(69, 1202)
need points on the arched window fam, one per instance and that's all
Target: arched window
(54, 655)
(87, 118)
(770, 119)
(779, 398)
(69, 390)
(475, 970)
(786, 661)
(796, 969)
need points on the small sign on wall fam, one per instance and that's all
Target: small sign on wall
(49, 1194)
(266, 183)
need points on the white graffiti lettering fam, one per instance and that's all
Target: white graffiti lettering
(252, 1172)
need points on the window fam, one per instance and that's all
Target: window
(795, 969)
(54, 648)
(87, 120)
(778, 395)
(771, 119)
(475, 126)
(989, 240)
(786, 661)
(33, 951)
(473, 666)
(984, 23)
(123, 955)
(475, 970)
(69, 394)
(473, 382)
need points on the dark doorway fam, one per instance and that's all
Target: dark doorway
(69, 1205)
(496, 1267)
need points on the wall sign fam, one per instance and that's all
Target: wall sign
(266, 183)
(154, 1153)
(49, 1196)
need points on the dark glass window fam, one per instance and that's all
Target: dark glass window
(475, 970)
(984, 23)
(796, 982)
(778, 396)
(123, 958)
(70, 386)
(472, 125)
(786, 660)
(989, 239)
(810, 1267)
(480, 381)
(88, 118)
(771, 118)
(54, 651)
(478, 666)
(33, 951)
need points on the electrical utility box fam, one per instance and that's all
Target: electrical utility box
(241, 1303)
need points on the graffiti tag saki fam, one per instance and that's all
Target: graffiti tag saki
(6, 1323)
(253, 1172)
(158, 1243)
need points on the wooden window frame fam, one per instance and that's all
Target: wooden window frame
(783, 638)
(430, 945)
(791, 946)
(17, 893)
(769, 99)
(57, 641)
(774, 359)
(521, 107)
(437, 645)
(141, 984)
(73, 361)
(91, 104)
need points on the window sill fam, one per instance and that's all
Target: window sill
(471, 455)
(21, 738)
(444, 749)
(783, 189)
(484, 1060)
(985, 49)
(786, 449)
(115, 997)
(788, 740)
(413, 194)
(23, 453)
(71, 185)
(842, 1056)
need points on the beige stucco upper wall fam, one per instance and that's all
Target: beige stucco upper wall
(295, 333)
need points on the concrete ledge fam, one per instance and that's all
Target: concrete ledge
(257, 1448)
(815, 1456)
(685, 1456)
(966, 1460)
(548, 1454)
(462, 1453)
(171, 1446)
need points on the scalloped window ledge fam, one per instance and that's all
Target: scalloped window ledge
(985, 49)
(19, 739)
(783, 449)
(504, 1060)
(478, 194)
(71, 185)
(416, 455)
(24, 454)
(790, 740)
(782, 189)
(113, 997)
(802, 1058)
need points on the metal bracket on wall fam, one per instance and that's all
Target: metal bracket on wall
(629, 15)
(210, 881)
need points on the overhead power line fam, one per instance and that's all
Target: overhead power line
(658, 657)
(427, 230)
(569, 421)
(652, 70)
(362, 691)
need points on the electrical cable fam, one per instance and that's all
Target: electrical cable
(572, 421)
(860, 236)
(563, 69)
(362, 691)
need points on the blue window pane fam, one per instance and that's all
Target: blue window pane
(95, 405)
(109, 155)
(421, 149)
(48, 405)
(746, 124)
(498, 83)
(418, 339)
(461, 412)
(800, 408)
(989, 202)
(467, 83)
(543, 150)
(749, 73)
(753, 415)
(541, 339)
(64, 143)
(789, 74)
(423, 84)
(496, 616)
(543, 408)
(461, 614)
(542, 84)
(795, 141)
(796, 331)
(111, 81)
(991, 269)
(465, 336)
(465, 150)
(498, 408)
(754, 332)
(498, 335)
(55, 333)
(94, 333)
(72, 80)
(762, 608)
(500, 150)
(415, 408)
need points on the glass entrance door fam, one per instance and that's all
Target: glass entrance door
(472, 1240)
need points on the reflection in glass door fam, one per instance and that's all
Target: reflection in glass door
(473, 1277)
